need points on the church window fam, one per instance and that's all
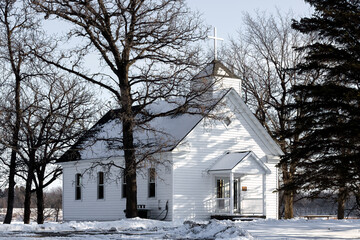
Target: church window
(100, 185)
(152, 176)
(227, 121)
(78, 182)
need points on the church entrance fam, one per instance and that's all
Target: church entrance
(239, 194)
(223, 194)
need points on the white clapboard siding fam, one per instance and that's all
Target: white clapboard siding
(226, 83)
(252, 200)
(163, 192)
(271, 197)
(89, 207)
(203, 146)
(113, 205)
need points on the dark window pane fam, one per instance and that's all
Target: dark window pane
(101, 178)
(78, 186)
(101, 192)
(78, 193)
(220, 188)
(152, 186)
(100, 185)
(152, 190)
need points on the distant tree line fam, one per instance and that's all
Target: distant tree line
(53, 198)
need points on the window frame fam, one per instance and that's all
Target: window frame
(101, 186)
(78, 189)
(151, 183)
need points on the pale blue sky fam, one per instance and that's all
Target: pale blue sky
(226, 15)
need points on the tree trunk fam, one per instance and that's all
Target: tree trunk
(40, 203)
(288, 193)
(288, 204)
(11, 189)
(15, 140)
(341, 203)
(128, 138)
(27, 201)
(130, 171)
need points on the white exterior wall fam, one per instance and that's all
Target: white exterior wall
(252, 200)
(89, 207)
(113, 205)
(193, 191)
(226, 83)
(272, 199)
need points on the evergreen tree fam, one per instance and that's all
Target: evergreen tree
(329, 142)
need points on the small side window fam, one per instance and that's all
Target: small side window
(101, 185)
(227, 121)
(152, 177)
(78, 182)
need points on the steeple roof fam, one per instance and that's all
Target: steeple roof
(216, 68)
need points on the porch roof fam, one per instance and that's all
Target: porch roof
(234, 160)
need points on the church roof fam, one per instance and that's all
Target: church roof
(104, 139)
(216, 68)
(231, 160)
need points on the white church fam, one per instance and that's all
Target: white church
(226, 169)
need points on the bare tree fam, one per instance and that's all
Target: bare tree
(16, 25)
(42, 111)
(147, 51)
(264, 57)
(54, 202)
(58, 110)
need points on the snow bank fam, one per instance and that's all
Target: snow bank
(152, 229)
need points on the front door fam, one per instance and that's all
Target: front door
(222, 194)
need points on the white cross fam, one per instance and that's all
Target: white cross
(215, 45)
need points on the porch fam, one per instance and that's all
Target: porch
(239, 187)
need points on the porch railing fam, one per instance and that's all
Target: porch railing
(253, 206)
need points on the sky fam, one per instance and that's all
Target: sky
(226, 15)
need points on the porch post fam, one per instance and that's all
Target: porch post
(231, 193)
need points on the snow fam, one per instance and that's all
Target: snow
(229, 161)
(151, 229)
(161, 132)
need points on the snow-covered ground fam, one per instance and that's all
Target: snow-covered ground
(151, 229)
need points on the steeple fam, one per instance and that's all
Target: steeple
(218, 76)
